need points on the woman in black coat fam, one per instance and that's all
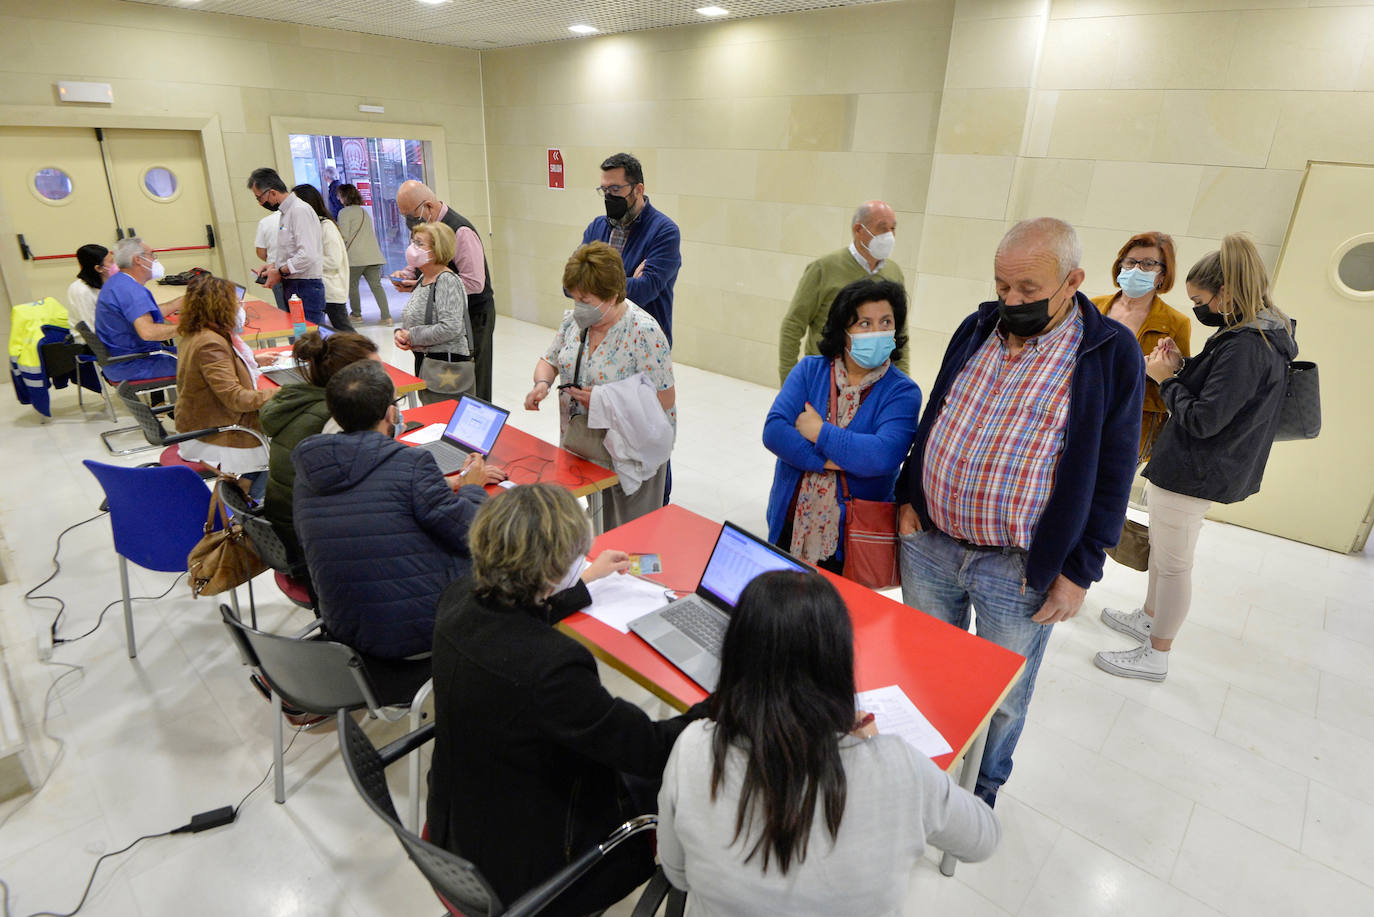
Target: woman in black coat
(1223, 412)
(534, 761)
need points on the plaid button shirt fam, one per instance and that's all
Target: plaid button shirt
(990, 461)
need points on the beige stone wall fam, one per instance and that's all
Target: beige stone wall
(164, 61)
(758, 137)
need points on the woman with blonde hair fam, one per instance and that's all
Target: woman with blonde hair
(217, 383)
(1223, 412)
(534, 761)
(434, 323)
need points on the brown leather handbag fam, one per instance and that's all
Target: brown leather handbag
(223, 558)
(1133, 548)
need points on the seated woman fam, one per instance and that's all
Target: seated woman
(298, 411)
(783, 803)
(216, 383)
(848, 410)
(434, 322)
(534, 761)
(96, 263)
(606, 339)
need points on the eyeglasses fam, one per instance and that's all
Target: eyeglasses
(613, 190)
(1149, 264)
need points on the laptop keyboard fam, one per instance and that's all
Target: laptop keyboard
(450, 458)
(285, 376)
(697, 620)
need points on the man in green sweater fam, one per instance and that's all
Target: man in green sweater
(867, 255)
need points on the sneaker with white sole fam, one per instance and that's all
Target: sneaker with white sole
(1142, 662)
(1131, 623)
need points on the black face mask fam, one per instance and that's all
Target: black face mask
(268, 205)
(1027, 319)
(616, 207)
(1209, 318)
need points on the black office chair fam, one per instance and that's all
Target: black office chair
(150, 422)
(458, 883)
(104, 359)
(290, 572)
(321, 676)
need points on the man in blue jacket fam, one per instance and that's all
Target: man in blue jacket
(1017, 481)
(648, 241)
(383, 531)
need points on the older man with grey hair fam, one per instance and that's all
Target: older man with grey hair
(129, 321)
(869, 254)
(1017, 481)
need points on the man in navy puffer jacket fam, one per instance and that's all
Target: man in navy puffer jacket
(383, 531)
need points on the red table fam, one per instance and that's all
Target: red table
(264, 323)
(954, 678)
(527, 459)
(405, 383)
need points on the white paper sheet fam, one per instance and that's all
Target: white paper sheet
(895, 714)
(429, 434)
(620, 598)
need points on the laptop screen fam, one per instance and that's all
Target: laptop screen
(475, 424)
(243, 291)
(737, 558)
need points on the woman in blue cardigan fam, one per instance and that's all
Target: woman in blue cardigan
(848, 410)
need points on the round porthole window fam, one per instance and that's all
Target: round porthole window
(1352, 268)
(160, 183)
(52, 185)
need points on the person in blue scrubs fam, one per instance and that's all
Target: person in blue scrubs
(128, 319)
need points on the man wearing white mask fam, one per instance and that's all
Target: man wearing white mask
(128, 319)
(869, 254)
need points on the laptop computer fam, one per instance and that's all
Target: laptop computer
(474, 426)
(688, 632)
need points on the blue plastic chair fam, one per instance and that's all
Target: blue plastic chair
(157, 516)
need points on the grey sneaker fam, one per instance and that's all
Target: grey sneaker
(1131, 623)
(1142, 662)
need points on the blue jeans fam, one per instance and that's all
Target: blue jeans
(943, 578)
(311, 293)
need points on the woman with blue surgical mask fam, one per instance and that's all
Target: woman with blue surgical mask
(1143, 270)
(844, 420)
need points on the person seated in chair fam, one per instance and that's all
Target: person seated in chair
(382, 530)
(128, 319)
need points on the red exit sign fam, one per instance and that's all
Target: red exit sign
(555, 169)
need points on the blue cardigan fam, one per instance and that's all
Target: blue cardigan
(1092, 481)
(870, 449)
(653, 239)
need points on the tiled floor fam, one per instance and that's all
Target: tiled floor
(1236, 787)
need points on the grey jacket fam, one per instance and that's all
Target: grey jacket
(1223, 411)
(356, 228)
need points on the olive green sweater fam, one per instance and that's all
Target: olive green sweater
(821, 280)
(297, 411)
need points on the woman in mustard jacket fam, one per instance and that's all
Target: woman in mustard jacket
(1144, 269)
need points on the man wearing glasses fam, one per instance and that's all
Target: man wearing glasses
(648, 241)
(299, 264)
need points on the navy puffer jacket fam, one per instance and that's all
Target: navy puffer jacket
(383, 536)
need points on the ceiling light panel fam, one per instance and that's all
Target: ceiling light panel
(493, 23)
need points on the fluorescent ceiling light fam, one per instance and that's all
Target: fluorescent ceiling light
(583, 29)
(433, 2)
(712, 11)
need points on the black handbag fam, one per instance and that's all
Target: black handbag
(1300, 415)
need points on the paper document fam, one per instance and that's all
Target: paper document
(895, 714)
(618, 599)
(424, 435)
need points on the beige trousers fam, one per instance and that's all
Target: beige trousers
(1175, 521)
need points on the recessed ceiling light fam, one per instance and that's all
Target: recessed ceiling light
(433, 2)
(583, 29)
(713, 11)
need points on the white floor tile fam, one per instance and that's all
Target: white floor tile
(1340, 832)
(1346, 705)
(1080, 879)
(1027, 838)
(929, 892)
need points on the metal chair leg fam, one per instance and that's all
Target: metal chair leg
(417, 717)
(128, 607)
(278, 764)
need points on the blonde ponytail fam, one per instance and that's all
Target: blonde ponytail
(1239, 270)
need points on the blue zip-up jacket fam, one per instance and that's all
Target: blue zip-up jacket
(1092, 480)
(870, 449)
(383, 536)
(653, 239)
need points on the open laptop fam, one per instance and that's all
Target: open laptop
(474, 426)
(689, 631)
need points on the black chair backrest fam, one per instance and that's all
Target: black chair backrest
(59, 358)
(270, 547)
(93, 341)
(152, 428)
(237, 501)
(453, 878)
(313, 675)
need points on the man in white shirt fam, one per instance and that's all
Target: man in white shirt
(265, 243)
(299, 264)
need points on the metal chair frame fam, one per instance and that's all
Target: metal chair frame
(103, 359)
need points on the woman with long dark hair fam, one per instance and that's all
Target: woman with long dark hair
(96, 263)
(335, 259)
(784, 804)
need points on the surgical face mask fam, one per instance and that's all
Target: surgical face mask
(570, 577)
(1136, 282)
(109, 270)
(585, 316)
(616, 207)
(417, 256)
(155, 270)
(1208, 317)
(1027, 319)
(870, 349)
(880, 245)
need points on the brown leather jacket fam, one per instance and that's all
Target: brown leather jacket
(215, 389)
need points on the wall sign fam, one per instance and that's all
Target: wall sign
(555, 169)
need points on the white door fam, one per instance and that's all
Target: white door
(1321, 491)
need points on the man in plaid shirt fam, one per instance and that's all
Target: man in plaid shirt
(1018, 478)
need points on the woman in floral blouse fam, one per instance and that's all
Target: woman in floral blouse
(848, 410)
(605, 338)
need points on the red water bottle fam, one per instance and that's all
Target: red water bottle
(297, 312)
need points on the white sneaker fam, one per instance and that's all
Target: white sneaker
(1133, 624)
(1142, 662)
